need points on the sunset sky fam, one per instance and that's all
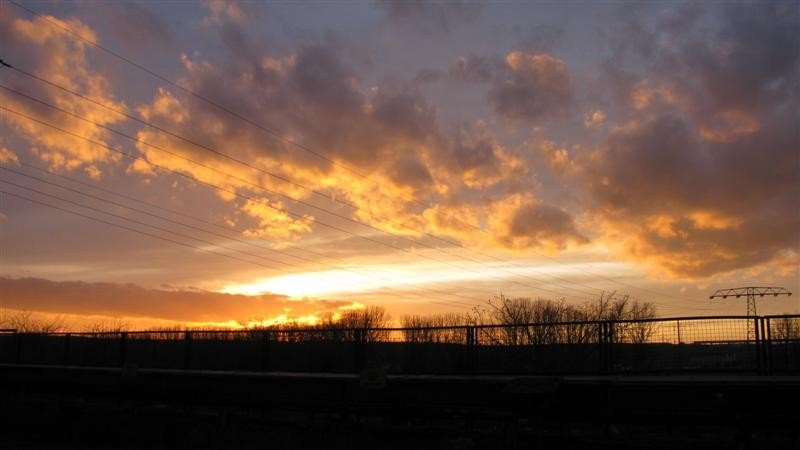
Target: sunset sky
(224, 162)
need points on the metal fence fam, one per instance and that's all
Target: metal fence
(670, 345)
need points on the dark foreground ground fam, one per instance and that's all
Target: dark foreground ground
(105, 408)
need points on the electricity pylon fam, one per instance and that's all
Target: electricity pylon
(751, 292)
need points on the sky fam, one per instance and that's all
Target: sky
(226, 162)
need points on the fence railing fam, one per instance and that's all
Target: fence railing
(664, 345)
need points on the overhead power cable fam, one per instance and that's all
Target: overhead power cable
(265, 189)
(203, 241)
(234, 192)
(213, 233)
(138, 210)
(323, 195)
(124, 196)
(236, 239)
(145, 233)
(450, 303)
(155, 227)
(278, 136)
(223, 228)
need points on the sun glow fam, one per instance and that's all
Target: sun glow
(362, 279)
(283, 319)
(340, 281)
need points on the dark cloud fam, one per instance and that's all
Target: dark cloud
(475, 152)
(544, 224)
(649, 161)
(321, 78)
(136, 24)
(539, 39)
(405, 114)
(700, 177)
(757, 61)
(697, 208)
(128, 300)
(475, 68)
(430, 16)
(425, 76)
(532, 87)
(410, 171)
(727, 57)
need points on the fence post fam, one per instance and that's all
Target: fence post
(265, 338)
(611, 338)
(470, 348)
(187, 350)
(766, 337)
(757, 344)
(769, 344)
(66, 349)
(19, 348)
(680, 345)
(123, 348)
(358, 350)
(601, 339)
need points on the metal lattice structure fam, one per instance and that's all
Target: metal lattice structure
(751, 292)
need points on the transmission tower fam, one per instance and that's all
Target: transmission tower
(751, 292)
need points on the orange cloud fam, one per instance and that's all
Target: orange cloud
(8, 157)
(729, 125)
(407, 157)
(557, 158)
(647, 93)
(690, 208)
(516, 222)
(273, 222)
(594, 120)
(188, 306)
(40, 48)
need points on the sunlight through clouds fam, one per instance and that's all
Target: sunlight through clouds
(393, 153)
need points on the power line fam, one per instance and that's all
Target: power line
(155, 227)
(206, 166)
(145, 233)
(126, 197)
(201, 230)
(147, 213)
(258, 186)
(164, 230)
(155, 206)
(219, 153)
(190, 177)
(172, 211)
(234, 192)
(277, 135)
(198, 229)
(287, 180)
(451, 303)
(152, 73)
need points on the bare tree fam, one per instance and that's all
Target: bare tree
(26, 322)
(631, 318)
(113, 326)
(528, 321)
(434, 328)
(640, 331)
(353, 324)
(542, 321)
